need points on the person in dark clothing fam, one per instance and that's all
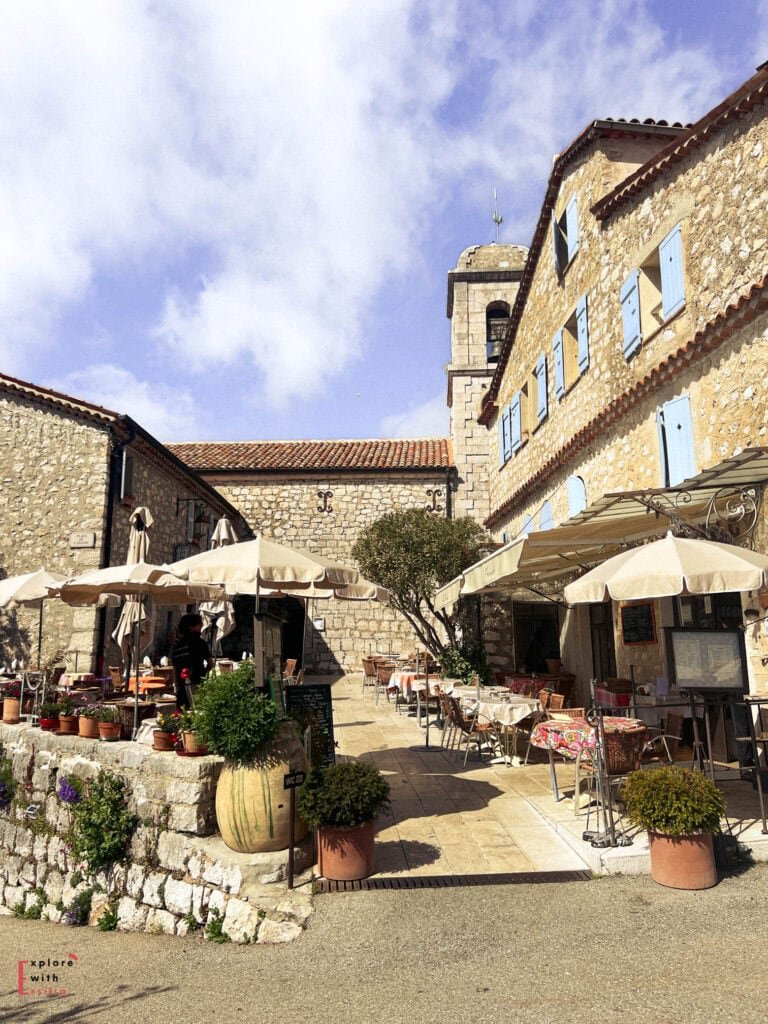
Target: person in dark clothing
(190, 653)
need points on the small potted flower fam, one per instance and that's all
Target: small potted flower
(342, 802)
(67, 716)
(109, 721)
(166, 735)
(11, 703)
(187, 726)
(87, 723)
(681, 811)
(48, 717)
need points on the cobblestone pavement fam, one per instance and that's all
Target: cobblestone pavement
(609, 950)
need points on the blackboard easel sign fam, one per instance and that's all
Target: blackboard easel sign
(638, 625)
(314, 699)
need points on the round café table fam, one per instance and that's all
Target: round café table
(147, 684)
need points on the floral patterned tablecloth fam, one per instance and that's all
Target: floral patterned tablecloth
(571, 737)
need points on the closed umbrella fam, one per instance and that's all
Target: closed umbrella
(219, 616)
(135, 629)
(670, 567)
(30, 590)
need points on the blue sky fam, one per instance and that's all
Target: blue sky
(234, 220)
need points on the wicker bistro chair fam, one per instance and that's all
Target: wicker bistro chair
(623, 755)
(450, 728)
(384, 672)
(369, 673)
(472, 729)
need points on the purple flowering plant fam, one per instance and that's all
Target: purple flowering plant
(7, 785)
(69, 791)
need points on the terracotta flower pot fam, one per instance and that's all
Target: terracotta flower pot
(11, 710)
(88, 728)
(68, 725)
(192, 744)
(683, 862)
(163, 740)
(345, 854)
(109, 731)
(49, 724)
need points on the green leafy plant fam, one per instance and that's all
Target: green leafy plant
(88, 712)
(49, 711)
(187, 720)
(66, 705)
(191, 922)
(34, 911)
(102, 824)
(465, 660)
(343, 795)
(107, 713)
(7, 784)
(79, 909)
(214, 930)
(108, 920)
(233, 719)
(673, 801)
(168, 722)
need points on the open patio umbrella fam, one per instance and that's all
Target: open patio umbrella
(139, 580)
(219, 616)
(30, 590)
(670, 567)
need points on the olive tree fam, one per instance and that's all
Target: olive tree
(414, 552)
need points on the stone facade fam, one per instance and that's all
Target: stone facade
(289, 509)
(179, 876)
(604, 429)
(61, 509)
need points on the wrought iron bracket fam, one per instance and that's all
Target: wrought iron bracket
(730, 515)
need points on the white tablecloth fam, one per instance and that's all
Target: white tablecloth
(505, 712)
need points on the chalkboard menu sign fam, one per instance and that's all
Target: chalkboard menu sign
(314, 699)
(637, 624)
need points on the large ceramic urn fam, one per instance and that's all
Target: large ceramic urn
(252, 805)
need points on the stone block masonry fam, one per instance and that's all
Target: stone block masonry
(179, 876)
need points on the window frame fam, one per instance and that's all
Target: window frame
(653, 293)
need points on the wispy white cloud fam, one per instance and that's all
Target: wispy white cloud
(427, 420)
(167, 412)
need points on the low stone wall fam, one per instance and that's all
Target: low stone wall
(179, 875)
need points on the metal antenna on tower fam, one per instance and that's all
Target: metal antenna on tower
(496, 217)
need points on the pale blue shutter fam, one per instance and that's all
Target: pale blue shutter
(515, 425)
(671, 266)
(676, 435)
(545, 517)
(582, 332)
(555, 244)
(630, 313)
(557, 353)
(541, 388)
(572, 227)
(502, 438)
(527, 525)
(577, 495)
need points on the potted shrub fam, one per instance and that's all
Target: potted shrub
(342, 802)
(88, 723)
(681, 811)
(108, 718)
(244, 727)
(48, 717)
(166, 735)
(188, 725)
(67, 716)
(12, 703)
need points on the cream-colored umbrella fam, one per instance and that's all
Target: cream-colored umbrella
(135, 629)
(671, 567)
(30, 590)
(219, 616)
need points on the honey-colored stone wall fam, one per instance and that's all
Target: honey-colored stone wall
(290, 510)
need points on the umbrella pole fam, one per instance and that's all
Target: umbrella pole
(39, 636)
(136, 691)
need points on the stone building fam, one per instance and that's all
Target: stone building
(70, 475)
(631, 385)
(320, 495)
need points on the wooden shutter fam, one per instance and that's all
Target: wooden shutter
(541, 388)
(572, 227)
(676, 441)
(582, 333)
(577, 495)
(557, 354)
(515, 424)
(671, 266)
(630, 313)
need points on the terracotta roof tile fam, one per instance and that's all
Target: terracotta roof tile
(294, 456)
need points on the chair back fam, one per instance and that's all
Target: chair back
(458, 714)
(384, 672)
(118, 683)
(623, 750)
(299, 680)
(545, 696)
(556, 701)
(289, 668)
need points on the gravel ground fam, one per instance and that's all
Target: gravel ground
(614, 949)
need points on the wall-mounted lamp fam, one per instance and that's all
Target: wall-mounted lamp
(198, 519)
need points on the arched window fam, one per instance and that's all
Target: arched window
(546, 521)
(496, 320)
(528, 526)
(577, 495)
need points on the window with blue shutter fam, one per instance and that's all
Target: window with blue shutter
(515, 428)
(577, 495)
(502, 441)
(572, 227)
(546, 521)
(630, 313)
(541, 388)
(676, 441)
(582, 333)
(671, 267)
(557, 355)
(527, 525)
